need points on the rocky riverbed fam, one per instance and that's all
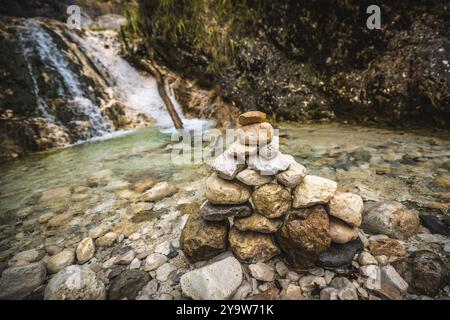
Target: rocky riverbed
(109, 214)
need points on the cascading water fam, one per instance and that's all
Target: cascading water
(41, 48)
(36, 40)
(137, 91)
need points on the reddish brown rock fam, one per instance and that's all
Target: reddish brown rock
(387, 247)
(252, 247)
(203, 240)
(303, 236)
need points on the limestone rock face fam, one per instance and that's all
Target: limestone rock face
(292, 176)
(75, 283)
(270, 167)
(258, 223)
(303, 236)
(313, 190)
(251, 117)
(220, 191)
(390, 218)
(253, 178)
(227, 166)
(202, 240)
(217, 281)
(255, 134)
(219, 212)
(272, 200)
(347, 207)
(252, 247)
(19, 281)
(341, 232)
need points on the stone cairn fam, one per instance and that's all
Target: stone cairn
(272, 205)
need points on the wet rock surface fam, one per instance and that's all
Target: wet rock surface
(154, 238)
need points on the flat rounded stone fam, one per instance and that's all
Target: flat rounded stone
(292, 176)
(216, 281)
(251, 117)
(219, 212)
(220, 191)
(257, 223)
(159, 191)
(347, 207)
(251, 177)
(313, 190)
(227, 166)
(341, 232)
(255, 134)
(272, 200)
(252, 247)
(85, 250)
(270, 167)
(390, 218)
(60, 261)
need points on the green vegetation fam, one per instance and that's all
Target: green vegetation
(210, 27)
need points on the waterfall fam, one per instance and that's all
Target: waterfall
(138, 91)
(35, 39)
(55, 52)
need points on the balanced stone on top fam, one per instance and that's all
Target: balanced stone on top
(220, 191)
(313, 190)
(251, 117)
(227, 167)
(255, 134)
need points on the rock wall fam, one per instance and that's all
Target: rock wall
(308, 61)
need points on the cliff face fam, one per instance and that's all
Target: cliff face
(307, 60)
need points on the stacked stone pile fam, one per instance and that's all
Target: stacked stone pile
(261, 202)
